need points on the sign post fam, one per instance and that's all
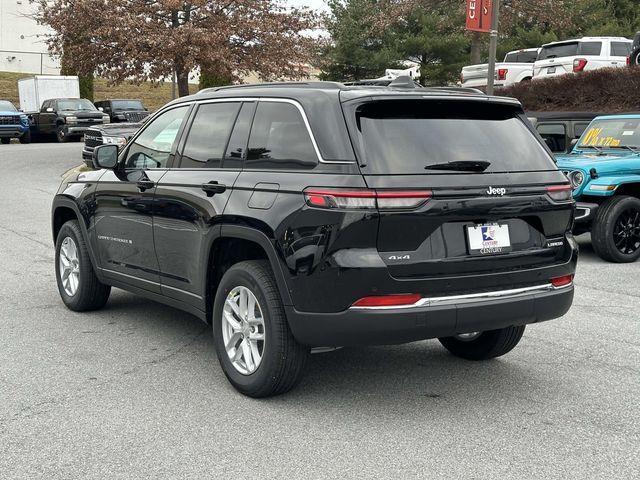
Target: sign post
(482, 16)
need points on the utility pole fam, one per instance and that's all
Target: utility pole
(493, 46)
(173, 85)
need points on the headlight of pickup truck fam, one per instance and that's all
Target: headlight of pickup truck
(120, 141)
(71, 120)
(24, 120)
(106, 119)
(577, 178)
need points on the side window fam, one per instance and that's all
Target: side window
(280, 139)
(554, 135)
(620, 49)
(152, 148)
(238, 141)
(590, 48)
(208, 135)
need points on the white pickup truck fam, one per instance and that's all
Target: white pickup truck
(517, 67)
(581, 55)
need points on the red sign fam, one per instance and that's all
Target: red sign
(479, 13)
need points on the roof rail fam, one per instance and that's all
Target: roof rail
(316, 84)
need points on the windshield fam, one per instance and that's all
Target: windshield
(75, 104)
(615, 133)
(6, 106)
(127, 105)
(414, 137)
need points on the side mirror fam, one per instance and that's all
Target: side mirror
(49, 110)
(105, 156)
(101, 109)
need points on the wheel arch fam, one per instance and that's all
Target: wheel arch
(631, 189)
(235, 244)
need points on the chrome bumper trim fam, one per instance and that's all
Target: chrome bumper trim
(472, 297)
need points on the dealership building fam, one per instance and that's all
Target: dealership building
(23, 45)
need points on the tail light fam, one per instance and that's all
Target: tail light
(563, 281)
(364, 199)
(560, 193)
(579, 64)
(402, 300)
(502, 73)
(629, 61)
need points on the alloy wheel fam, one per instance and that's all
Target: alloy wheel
(243, 330)
(626, 231)
(69, 264)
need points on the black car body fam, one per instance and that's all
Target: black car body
(113, 133)
(123, 110)
(65, 118)
(373, 210)
(634, 56)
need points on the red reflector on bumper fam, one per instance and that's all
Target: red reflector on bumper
(562, 281)
(388, 300)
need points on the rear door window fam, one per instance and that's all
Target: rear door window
(208, 135)
(280, 139)
(418, 137)
(620, 49)
(590, 48)
(554, 135)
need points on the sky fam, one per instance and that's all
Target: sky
(315, 4)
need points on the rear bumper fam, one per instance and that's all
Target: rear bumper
(431, 318)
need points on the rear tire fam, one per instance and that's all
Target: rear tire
(635, 57)
(5, 141)
(86, 292)
(490, 344)
(610, 226)
(282, 359)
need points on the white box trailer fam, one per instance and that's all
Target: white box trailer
(35, 90)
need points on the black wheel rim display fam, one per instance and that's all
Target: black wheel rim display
(626, 231)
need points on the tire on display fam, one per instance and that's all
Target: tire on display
(615, 233)
(84, 291)
(487, 345)
(255, 325)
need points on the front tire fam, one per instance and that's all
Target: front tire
(485, 345)
(615, 234)
(78, 285)
(254, 344)
(61, 135)
(26, 137)
(5, 141)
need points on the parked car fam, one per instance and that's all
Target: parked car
(581, 55)
(121, 111)
(113, 133)
(604, 170)
(516, 67)
(300, 215)
(561, 130)
(13, 123)
(634, 56)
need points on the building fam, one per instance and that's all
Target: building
(22, 41)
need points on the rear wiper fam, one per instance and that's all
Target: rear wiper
(461, 166)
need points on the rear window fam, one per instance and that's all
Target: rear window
(418, 137)
(620, 49)
(521, 57)
(570, 49)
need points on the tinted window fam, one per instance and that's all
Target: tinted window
(239, 137)
(152, 148)
(559, 50)
(7, 106)
(280, 139)
(75, 105)
(405, 137)
(528, 57)
(511, 57)
(578, 129)
(127, 105)
(555, 136)
(208, 135)
(590, 48)
(620, 49)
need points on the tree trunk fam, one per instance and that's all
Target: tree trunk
(476, 48)
(423, 70)
(182, 80)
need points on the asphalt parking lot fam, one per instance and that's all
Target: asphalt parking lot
(135, 390)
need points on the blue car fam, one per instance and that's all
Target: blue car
(13, 123)
(604, 170)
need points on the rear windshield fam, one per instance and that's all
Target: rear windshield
(521, 57)
(413, 137)
(570, 49)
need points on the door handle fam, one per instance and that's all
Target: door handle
(145, 185)
(213, 187)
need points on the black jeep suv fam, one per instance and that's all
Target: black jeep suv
(301, 215)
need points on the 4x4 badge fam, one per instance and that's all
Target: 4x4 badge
(496, 191)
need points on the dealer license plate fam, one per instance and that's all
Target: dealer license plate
(489, 239)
